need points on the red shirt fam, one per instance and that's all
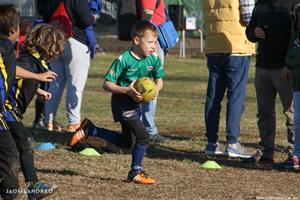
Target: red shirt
(21, 39)
(158, 16)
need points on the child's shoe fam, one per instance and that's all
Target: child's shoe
(54, 126)
(291, 163)
(72, 127)
(157, 138)
(213, 149)
(39, 190)
(38, 124)
(140, 177)
(81, 132)
(258, 158)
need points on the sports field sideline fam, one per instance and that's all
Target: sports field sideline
(175, 165)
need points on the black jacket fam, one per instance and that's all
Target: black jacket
(8, 69)
(276, 21)
(78, 10)
(23, 90)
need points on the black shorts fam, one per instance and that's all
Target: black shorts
(121, 103)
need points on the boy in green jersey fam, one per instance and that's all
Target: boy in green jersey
(139, 61)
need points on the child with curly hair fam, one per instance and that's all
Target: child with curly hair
(42, 44)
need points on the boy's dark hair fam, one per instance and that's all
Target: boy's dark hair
(141, 27)
(9, 19)
(46, 40)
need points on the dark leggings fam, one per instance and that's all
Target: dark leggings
(132, 128)
(23, 139)
(9, 166)
(39, 109)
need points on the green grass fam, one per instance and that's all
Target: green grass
(181, 103)
(176, 165)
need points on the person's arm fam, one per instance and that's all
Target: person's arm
(252, 29)
(114, 88)
(147, 14)
(159, 84)
(43, 77)
(158, 73)
(246, 9)
(286, 73)
(44, 95)
(111, 77)
(147, 10)
(84, 14)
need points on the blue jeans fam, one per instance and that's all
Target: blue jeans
(225, 72)
(148, 117)
(296, 102)
(148, 110)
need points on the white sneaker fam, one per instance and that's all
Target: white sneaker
(236, 150)
(213, 149)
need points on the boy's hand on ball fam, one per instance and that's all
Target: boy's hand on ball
(155, 97)
(133, 93)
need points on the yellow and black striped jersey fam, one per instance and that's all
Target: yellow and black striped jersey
(7, 74)
(23, 90)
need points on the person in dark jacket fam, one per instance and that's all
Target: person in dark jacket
(270, 27)
(9, 157)
(72, 67)
(293, 61)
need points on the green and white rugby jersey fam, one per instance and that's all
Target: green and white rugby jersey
(127, 68)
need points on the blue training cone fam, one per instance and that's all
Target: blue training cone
(46, 146)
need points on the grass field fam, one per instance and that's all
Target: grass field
(176, 165)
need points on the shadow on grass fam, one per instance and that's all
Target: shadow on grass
(73, 173)
(61, 172)
(279, 148)
(65, 172)
(159, 151)
(178, 138)
(162, 152)
(61, 138)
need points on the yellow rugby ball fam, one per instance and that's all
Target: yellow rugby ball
(147, 88)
